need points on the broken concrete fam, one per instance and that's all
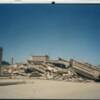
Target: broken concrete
(56, 70)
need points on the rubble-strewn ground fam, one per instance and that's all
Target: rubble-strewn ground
(50, 89)
(50, 80)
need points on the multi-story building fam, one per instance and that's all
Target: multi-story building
(38, 59)
(1, 54)
(12, 60)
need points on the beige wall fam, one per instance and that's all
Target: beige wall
(40, 58)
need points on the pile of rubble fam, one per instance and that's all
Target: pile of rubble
(52, 70)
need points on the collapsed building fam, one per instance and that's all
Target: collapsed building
(85, 69)
(43, 67)
(63, 69)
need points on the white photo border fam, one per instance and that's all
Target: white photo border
(50, 1)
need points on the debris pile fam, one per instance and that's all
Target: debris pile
(55, 70)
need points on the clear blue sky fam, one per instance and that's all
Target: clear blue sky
(67, 31)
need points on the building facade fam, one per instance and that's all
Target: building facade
(1, 54)
(38, 59)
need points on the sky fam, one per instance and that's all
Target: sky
(58, 30)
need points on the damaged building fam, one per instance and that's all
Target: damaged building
(44, 68)
(38, 59)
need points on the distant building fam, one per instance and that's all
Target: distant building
(1, 54)
(38, 59)
(12, 60)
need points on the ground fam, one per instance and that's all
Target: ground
(50, 89)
